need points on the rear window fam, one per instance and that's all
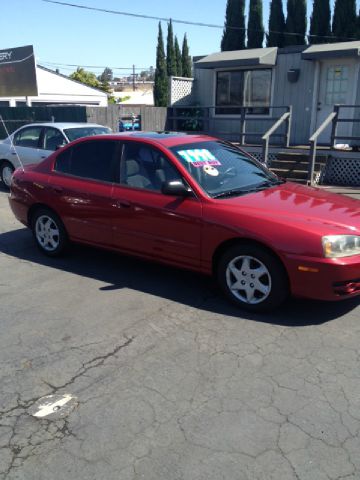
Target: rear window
(80, 132)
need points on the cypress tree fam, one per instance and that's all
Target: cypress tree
(170, 52)
(161, 79)
(296, 22)
(344, 20)
(234, 38)
(275, 38)
(179, 71)
(255, 25)
(186, 59)
(320, 22)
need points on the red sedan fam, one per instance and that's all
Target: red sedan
(198, 203)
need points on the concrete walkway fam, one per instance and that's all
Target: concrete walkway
(351, 192)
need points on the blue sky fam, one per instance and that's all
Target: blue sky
(65, 35)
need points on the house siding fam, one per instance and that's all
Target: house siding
(299, 95)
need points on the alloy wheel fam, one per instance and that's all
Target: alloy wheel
(47, 233)
(248, 279)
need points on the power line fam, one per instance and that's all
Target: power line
(186, 22)
(93, 66)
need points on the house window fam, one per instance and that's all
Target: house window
(243, 88)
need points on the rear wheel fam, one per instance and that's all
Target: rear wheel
(49, 232)
(253, 278)
(6, 171)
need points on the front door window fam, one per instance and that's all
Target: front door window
(337, 82)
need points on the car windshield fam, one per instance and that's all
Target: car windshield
(222, 170)
(79, 132)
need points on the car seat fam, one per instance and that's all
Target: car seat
(133, 176)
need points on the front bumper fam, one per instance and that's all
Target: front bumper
(324, 278)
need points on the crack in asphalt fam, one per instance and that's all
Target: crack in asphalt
(56, 430)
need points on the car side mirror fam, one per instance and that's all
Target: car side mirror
(176, 188)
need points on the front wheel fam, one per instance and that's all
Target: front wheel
(6, 171)
(49, 232)
(253, 278)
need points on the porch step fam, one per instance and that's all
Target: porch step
(290, 174)
(294, 165)
(300, 157)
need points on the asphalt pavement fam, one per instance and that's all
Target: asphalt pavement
(164, 379)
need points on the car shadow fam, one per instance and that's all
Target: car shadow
(199, 291)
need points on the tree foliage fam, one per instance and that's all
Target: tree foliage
(161, 93)
(107, 75)
(296, 22)
(178, 58)
(186, 59)
(170, 52)
(85, 77)
(255, 25)
(275, 37)
(344, 25)
(90, 79)
(234, 38)
(320, 23)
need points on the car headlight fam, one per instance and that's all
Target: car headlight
(336, 246)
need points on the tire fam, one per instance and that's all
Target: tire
(6, 171)
(253, 278)
(49, 232)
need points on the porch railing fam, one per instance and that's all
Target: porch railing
(337, 120)
(199, 119)
(313, 144)
(334, 119)
(285, 118)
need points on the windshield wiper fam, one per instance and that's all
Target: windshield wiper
(255, 188)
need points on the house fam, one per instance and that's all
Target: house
(269, 80)
(244, 93)
(57, 89)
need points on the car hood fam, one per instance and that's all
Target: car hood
(292, 204)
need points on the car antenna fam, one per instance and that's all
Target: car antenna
(12, 143)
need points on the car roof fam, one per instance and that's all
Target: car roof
(63, 125)
(168, 139)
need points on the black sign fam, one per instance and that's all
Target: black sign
(18, 72)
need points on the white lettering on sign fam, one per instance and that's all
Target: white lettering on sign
(5, 56)
(199, 157)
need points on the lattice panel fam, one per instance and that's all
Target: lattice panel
(259, 157)
(342, 172)
(181, 91)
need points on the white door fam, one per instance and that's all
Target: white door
(336, 87)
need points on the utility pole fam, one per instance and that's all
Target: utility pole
(133, 75)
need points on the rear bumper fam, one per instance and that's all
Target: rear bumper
(19, 209)
(324, 278)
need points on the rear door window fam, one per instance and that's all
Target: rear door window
(94, 160)
(28, 137)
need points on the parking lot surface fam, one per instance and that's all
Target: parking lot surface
(170, 381)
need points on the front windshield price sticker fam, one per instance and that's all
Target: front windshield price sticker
(199, 157)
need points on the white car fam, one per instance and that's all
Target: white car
(34, 142)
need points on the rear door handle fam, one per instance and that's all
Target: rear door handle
(123, 204)
(58, 189)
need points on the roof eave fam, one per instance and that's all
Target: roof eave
(266, 60)
(320, 55)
